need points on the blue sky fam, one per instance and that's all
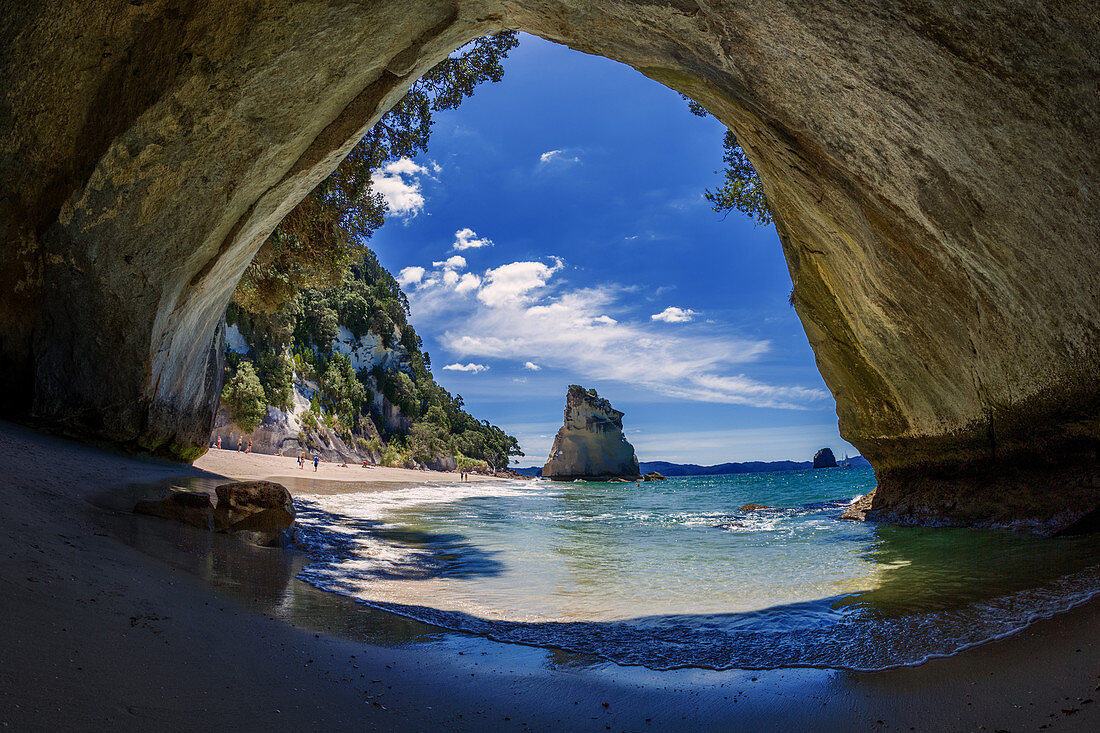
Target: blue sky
(556, 233)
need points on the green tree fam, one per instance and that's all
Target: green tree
(244, 396)
(317, 323)
(276, 373)
(742, 189)
(342, 391)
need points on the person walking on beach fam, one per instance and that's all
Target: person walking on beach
(249, 446)
(240, 445)
(316, 461)
(219, 443)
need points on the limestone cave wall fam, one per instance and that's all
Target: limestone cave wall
(932, 166)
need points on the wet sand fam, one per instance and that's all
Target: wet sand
(116, 622)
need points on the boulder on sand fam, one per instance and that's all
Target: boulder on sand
(189, 507)
(261, 510)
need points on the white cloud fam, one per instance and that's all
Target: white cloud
(672, 314)
(467, 282)
(557, 156)
(513, 282)
(410, 276)
(523, 314)
(398, 182)
(471, 368)
(457, 262)
(467, 239)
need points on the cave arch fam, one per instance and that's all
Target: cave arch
(932, 170)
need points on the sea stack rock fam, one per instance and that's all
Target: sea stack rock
(590, 445)
(824, 458)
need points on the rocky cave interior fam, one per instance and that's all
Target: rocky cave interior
(943, 254)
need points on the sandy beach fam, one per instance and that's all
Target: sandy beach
(116, 622)
(257, 466)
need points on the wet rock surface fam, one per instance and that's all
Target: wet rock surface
(857, 510)
(188, 507)
(261, 511)
(950, 302)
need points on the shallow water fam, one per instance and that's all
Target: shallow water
(671, 574)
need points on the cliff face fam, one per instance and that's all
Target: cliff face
(591, 443)
(950, 299)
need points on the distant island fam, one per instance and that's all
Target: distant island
(692, 469)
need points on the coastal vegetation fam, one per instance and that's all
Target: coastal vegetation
(315, 277)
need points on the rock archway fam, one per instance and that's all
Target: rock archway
(933, 169)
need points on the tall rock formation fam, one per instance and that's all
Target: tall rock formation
(590, 444)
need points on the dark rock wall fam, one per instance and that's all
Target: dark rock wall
(932, 167)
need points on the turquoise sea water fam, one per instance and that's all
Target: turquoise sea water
(672, 574)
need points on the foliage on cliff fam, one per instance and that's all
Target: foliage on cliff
(244, 396)
(742, 189)
(368, 301)
(315, 274)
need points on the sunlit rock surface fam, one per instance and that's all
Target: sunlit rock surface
(591, 444)
(932, 167)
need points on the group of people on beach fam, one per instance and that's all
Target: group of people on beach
(241, 446)
(302, 461)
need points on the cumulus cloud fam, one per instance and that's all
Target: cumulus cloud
(672, 314)
(467, 238)
(512, 283)
(557, 156)
(457, 262)
(467, 283)
(471, 368)
(399, 183)
(524, 314)
(410, 276)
